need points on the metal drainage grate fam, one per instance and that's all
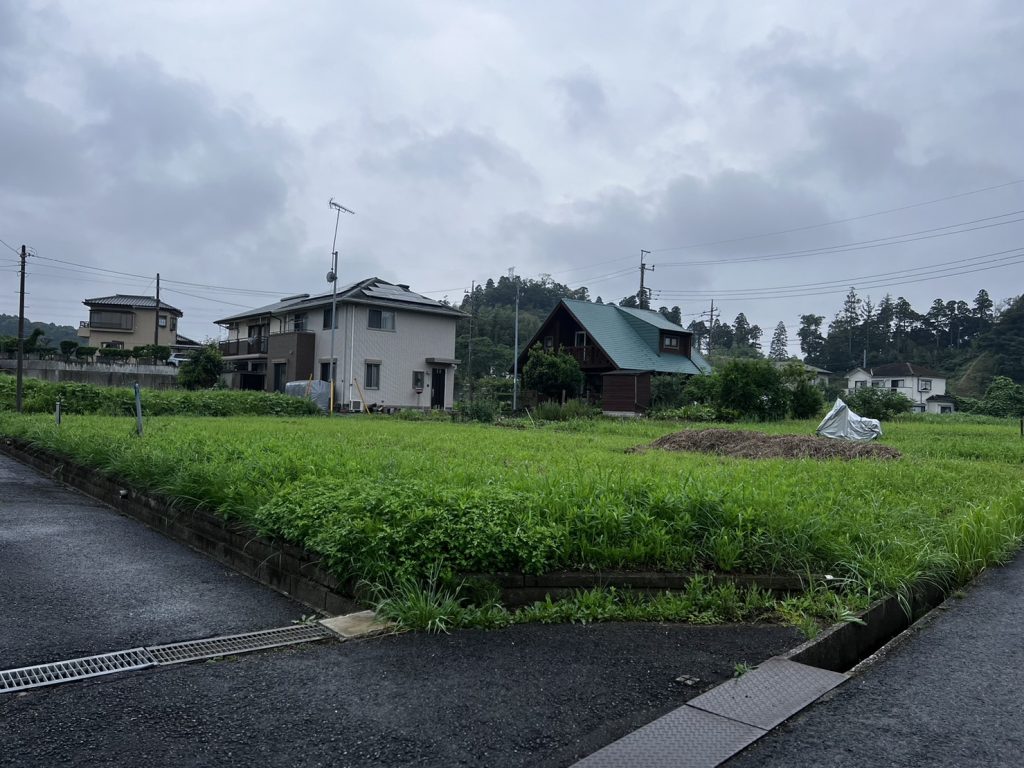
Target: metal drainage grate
(74, 669)
(193, 650)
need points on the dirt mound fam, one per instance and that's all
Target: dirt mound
(757, 445)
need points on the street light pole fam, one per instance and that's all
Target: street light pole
(332, 277)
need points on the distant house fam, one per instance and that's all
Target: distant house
(925, 388)
(392, 347)
(125, 322)
(619, 350)
(818, 375)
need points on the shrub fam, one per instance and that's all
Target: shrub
(878, 403)
(573, 409)
(552, 374)
(754, 389)
(41, 396)
(85, 353)
(202, 369)
(668, 391)
(68, 348)
(1002, 398)
(479, 409)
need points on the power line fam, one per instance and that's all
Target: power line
(882, 284)
(840, 221)
(859, 245)
(913, 271)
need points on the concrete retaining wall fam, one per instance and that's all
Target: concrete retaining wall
(56, 371)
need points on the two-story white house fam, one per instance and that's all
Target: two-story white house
(925, 388)
(393, 348)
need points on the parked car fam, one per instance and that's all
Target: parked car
(177, 359)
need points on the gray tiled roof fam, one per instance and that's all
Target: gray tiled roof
(370, 291)
(133, 302)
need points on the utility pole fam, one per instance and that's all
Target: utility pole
(711, 323)
(156, 321)
(332, 278)
(643, 297)
(515, 352)
(19, 390)
(472, 317)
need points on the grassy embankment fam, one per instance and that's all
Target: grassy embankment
(395, 503)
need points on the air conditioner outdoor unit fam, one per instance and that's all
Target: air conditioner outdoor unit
(356, 405)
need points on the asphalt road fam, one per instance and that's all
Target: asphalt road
(76, 578)
(951, 694)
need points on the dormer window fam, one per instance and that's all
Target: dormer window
(671, 342)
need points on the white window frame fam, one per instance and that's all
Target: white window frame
(924, 385)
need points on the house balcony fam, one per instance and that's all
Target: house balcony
(255, 345)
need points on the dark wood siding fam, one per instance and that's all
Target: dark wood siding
(627, 392)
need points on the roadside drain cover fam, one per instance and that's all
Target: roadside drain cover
(769, 694)
(193, 650)
(74, 669)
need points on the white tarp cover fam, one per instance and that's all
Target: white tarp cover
(843, 424)
(317, 391)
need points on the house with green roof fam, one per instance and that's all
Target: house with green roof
(619, 349)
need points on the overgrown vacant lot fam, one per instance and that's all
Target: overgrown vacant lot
(379, 497)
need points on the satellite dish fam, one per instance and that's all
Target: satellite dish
(331, 277)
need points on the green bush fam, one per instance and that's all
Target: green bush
(41, 397)
(878, 403)
(1003, 398)
(85, 353)
(668, 391)
(805, 400)
(754, 389)
(480, 409)
(552, 374)
(202, 369)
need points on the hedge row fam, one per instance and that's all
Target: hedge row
(41, 397)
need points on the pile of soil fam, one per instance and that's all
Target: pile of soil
(757, 445)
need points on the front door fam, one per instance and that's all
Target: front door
(280, 376)
(437, 388)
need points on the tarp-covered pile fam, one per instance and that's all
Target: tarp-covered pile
(317, 391)
(843, 424)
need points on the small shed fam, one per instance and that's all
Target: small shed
(626, 392)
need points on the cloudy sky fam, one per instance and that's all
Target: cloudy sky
(743, 144)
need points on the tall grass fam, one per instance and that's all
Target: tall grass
(387, 499)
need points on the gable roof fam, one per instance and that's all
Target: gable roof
(131, 302)
(899, 369)
(620, 333)
(373, 291)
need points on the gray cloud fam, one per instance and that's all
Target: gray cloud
(584, 104)
(456, 156)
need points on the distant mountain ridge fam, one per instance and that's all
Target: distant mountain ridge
(54, 334)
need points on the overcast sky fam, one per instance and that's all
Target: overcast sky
(202, 140)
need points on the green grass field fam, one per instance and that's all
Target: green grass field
(381, 498)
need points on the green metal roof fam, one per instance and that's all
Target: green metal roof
(630, 337)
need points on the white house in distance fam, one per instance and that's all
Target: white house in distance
(394, 348)
(925, 388)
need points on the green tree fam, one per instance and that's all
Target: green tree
(1002, 398)
(878, 403)
(68, 348)
(754, 388)
(551, 374)
(812, 343)
(779, 349)
(203, 368)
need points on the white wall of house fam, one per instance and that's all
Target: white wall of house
(917, 389)
(398, 352)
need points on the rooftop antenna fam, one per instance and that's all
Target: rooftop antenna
(332, 278)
